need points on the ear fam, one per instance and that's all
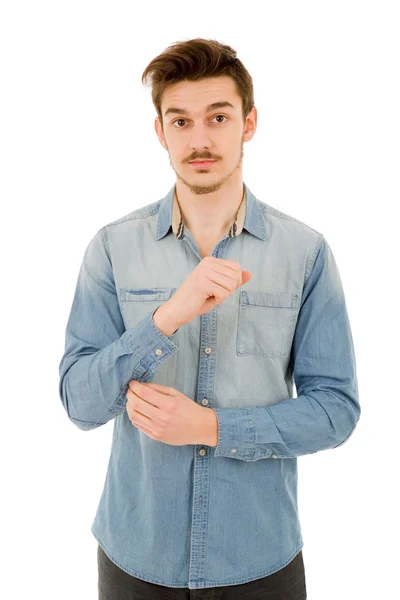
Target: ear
(160, 133)
(250, 125)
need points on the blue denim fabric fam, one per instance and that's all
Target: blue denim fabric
(198, 516)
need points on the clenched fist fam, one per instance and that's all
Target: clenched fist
(209, 284)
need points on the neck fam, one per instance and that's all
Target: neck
(209, 215)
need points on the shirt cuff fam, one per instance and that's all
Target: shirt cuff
(151, 348)
(237, 434)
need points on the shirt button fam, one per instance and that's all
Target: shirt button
(158, 351)
(202, 452)
(204, 402)
(207, 350)
(233, 450)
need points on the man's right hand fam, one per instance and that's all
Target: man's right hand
(209, 284)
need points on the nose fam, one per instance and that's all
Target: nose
(199, 138)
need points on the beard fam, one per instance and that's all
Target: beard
(208, 188)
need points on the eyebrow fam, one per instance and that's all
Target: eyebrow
(209, 108)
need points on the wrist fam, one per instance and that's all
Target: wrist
(165, 320)
(211, 428)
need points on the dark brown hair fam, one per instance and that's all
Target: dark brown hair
(195, 59)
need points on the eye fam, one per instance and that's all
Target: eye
(223, 116)
(173, 123)
(177, 120)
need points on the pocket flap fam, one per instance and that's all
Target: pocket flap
(272, 299)
(146, 294)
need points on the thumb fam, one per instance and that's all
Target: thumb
(246, 276)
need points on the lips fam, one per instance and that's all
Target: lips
(199, 163)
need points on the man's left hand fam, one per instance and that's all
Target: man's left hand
(167, 415)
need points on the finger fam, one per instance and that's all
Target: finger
(143, 428)
(166, 389)
(140, 420)
(153, 394)
(141, 405)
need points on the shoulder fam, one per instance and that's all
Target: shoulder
(136, 215)
(286, 221)
(125, 223)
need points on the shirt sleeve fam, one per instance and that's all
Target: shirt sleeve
(327, 408)
(101, 356)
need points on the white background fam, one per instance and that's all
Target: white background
(78, 150)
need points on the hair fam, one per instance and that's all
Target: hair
(196, 59)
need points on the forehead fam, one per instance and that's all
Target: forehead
(195, 96)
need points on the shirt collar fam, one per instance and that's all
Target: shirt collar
(249, 216)
(234, 230)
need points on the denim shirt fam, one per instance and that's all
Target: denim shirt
(200, 516)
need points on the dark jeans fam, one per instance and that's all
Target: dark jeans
(288, 583)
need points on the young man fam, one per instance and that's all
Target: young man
(192, 318)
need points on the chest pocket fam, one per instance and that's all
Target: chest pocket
(266, 323)
(136, 303)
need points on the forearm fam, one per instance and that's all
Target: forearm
(317, 420)
(93, 387)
